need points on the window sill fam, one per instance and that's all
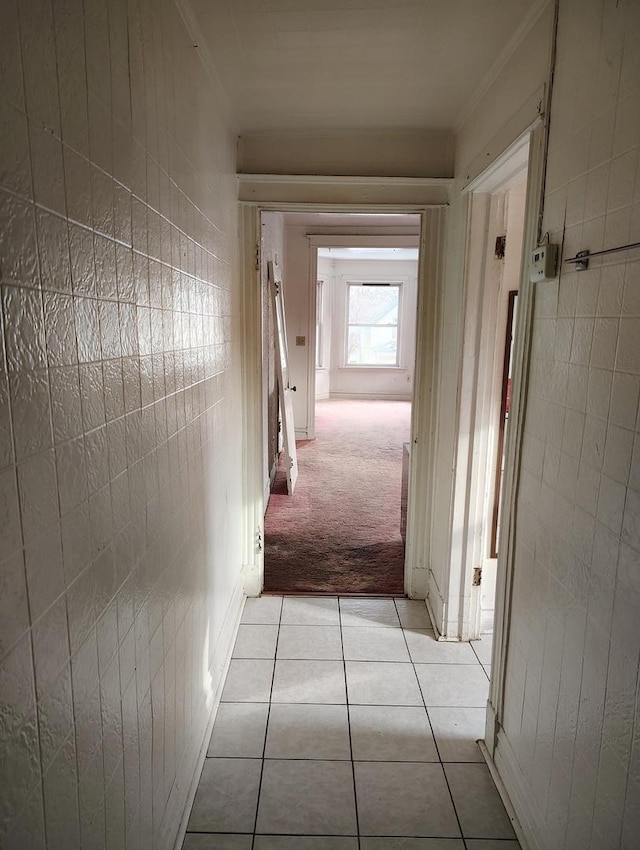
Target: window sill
(364, 368)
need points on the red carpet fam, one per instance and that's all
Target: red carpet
(340, 531)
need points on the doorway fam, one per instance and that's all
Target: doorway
(496, 203)
(356, 298)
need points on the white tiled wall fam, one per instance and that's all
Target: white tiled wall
(571, 708)
(118, 446)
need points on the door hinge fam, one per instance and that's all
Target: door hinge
(258, 541)
(477, 576)
(257, 257)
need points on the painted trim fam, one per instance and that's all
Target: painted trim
(506, 799)
(226, 642)
(251, 377)
(322, 240)
(337, 180)
(424, 410)
(520, 373)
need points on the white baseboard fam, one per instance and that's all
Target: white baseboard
(517, 799)
(222, 659)
(302, 434)
(504, 796)
(322, 396)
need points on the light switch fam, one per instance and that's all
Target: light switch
(301, 340)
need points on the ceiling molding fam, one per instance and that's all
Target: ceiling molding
(337, 180)
(494, 72)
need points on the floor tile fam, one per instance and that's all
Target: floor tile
(477, 802)
(411, 844)
(382, 683)
(248, 681)
(310, 642)
(369, 612)
(301, 842)
(483, 648)
(309, 681)
(239, 730)
(453, 684)
(307, 798)
(263, 610)
(308, 732)
(206, 841)
(256, 642)
(310, 611)
(457, 731)
(369, 644)
(413, 614)
(404, 799)
(391, 733)
(490, 844)
(227, 796)
(425, 649)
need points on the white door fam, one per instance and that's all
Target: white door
(286, 390)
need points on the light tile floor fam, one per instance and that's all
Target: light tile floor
(344, 725)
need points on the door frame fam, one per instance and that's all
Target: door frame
(477, 414)
(424, 401)
(323, 241)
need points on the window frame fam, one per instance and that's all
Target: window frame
(396, 284)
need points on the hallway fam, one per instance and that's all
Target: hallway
(339, 532)
(343, 718)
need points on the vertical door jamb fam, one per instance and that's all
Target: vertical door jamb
(251, 390)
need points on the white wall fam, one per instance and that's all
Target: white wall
(119, 419)
(370, 382)
(569, 751)
(392, 153)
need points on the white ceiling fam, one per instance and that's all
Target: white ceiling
(354, 64)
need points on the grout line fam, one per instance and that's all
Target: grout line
(436, 746)
(353, 764)
(266, 729)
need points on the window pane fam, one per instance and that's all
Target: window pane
(372, 346)
(373, 305)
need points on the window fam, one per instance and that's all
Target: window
(372, 324)
(319, 325)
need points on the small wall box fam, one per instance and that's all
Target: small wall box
(544, 261)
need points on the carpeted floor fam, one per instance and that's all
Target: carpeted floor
(340, 531)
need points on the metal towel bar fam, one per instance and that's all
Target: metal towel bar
(582, 258)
